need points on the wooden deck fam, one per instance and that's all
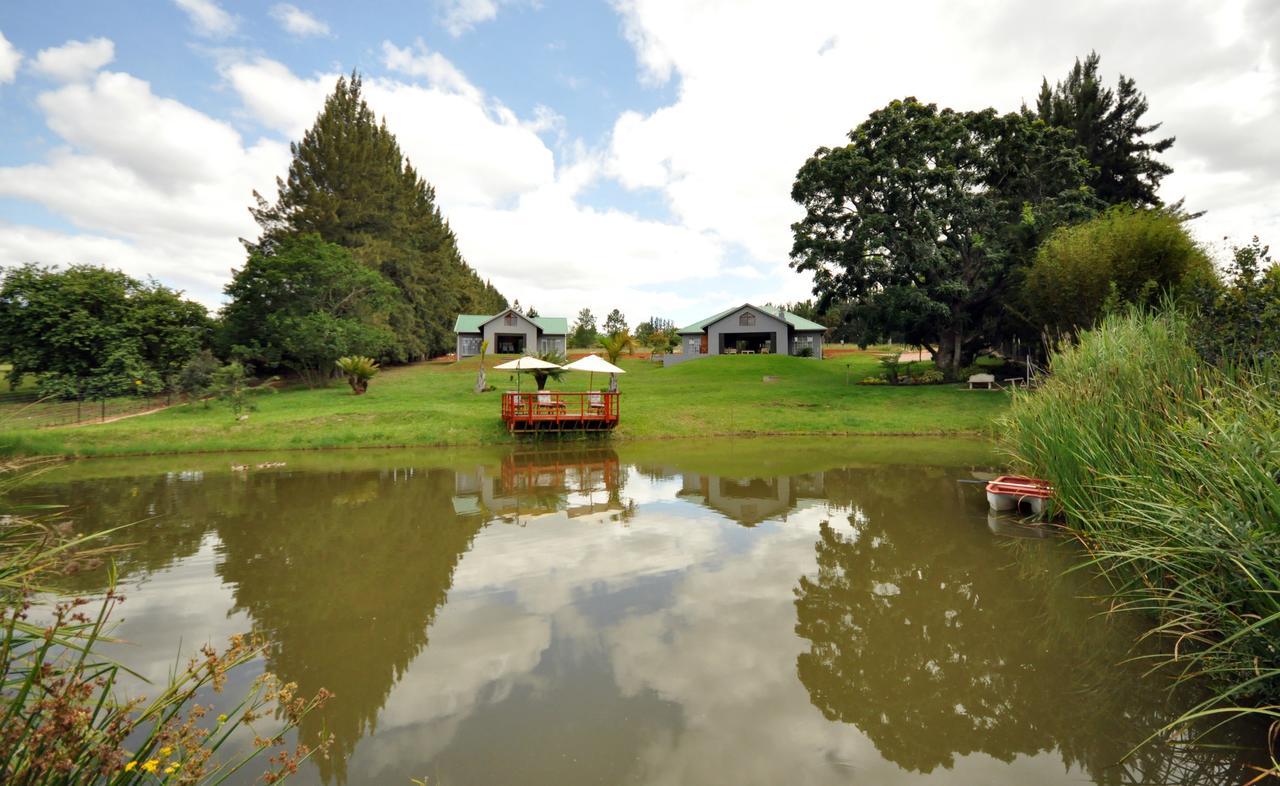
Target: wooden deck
(542, 412)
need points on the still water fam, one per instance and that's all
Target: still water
(767, 612)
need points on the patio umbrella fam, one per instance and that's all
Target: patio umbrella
(525, 363)
(593, 364)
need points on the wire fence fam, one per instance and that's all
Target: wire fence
(27, 410)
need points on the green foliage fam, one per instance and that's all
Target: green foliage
(1124, 256)
(303, 305)
(615, 323)
(1108, 125)
(229, 384)
(350, 184)
(584, 332)
(922, 220)
(658, 334)
(92, 332)
(804, 352)
(358, 370)
(615, 344)
(1166, 468)
(1239, 323)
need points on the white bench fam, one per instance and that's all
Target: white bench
(986, 380)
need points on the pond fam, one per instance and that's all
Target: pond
(742, 612)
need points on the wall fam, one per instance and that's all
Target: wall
(797, 342)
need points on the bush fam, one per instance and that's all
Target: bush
(804, 352)
(358, 370)
(873, 381)
(1167, 470)
(195, 378)
(930, 376)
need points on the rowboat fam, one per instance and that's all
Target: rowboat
(1010, 492)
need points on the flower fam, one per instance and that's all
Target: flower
(171, 769)
(130, 766)
(166, 750)
(152, 765)
(222, 719)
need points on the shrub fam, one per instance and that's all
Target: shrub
(358, 370)
(873, 381)
(195, 378)
(805, 352)
(930, 376)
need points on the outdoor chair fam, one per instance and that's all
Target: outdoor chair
(545, 402)
(595, 402)
(731, 351)
(764, 350)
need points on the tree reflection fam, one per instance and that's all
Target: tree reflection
(938, 647)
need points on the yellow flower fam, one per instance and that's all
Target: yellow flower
(152, 765)
(166, 750)
(222, 719)
(130, 766)
(171, 769)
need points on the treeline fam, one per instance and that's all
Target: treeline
(962, 231)
(354, 258)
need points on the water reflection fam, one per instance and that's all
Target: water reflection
(547, 616)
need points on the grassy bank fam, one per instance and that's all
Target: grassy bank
(1169, 471)
(433, 404)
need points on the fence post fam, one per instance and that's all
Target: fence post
(104, 410)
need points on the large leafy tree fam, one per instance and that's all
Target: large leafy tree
(350, 184)
(1108, 125)
(615, 322)
(923, 218)
(304, 304)
(89, 331)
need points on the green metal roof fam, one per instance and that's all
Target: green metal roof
(799, 323)
(471, 323)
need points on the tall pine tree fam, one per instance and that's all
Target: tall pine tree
(349, 182)
(1108, 125)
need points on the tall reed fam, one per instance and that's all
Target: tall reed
(1168, 470)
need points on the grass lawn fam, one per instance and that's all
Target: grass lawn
(432, 404)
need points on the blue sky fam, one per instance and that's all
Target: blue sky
(634, 154)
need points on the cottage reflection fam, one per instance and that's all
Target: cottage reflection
(529, 484)
(751, 500)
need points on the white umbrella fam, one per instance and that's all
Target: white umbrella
(526, 363)
(593, 364)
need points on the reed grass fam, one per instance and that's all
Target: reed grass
(1168, 470)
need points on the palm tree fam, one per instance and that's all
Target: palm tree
(617, 343)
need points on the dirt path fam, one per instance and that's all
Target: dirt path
(113, 418)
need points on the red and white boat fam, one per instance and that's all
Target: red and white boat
(1009, 492)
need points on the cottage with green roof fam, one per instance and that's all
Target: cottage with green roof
(750, 330)
(510, 333)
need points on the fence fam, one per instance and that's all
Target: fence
(26, 410)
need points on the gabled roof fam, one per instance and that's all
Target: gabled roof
(472, 323)
(799, 323)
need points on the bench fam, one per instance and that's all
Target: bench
(988, 381)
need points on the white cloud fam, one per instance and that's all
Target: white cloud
(74, 61)
(161, 190)
(208, 18)
(10, 57)
(297, 22)
(725, 152)
(433, 66)
(459, 16)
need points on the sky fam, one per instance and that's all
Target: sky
(634, 154)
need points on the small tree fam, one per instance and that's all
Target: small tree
(615, 323)
(229, 385)
(195, 379)
(532, 313)
(584, 330)
(617, 343)
(481, 383)
(541, 375)
(358, 370)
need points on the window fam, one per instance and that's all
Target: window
(509, 319)
(747, 319)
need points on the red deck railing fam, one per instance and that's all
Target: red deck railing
(547, 411)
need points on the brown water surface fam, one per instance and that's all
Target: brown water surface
(749, 612)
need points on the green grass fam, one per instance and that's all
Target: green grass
(432, 404)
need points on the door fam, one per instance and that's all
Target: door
(702, 347)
